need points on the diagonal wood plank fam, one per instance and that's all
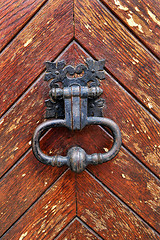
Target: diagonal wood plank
(30, 178)
(92, 139)
(103, 36)
(136, 177)
(18, 125)
(105, 214)
(14, 15)
(63, 139)
(24, 184)
(44, 37)
(77, 231)
(47, 217)
(143, 17)
(136, 186)
(140, 132)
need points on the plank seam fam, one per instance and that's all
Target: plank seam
(134, 157)
(32, 205)
(24, 25)
(89, 228)
(32, 83)
(63, 230)
(15, 164)
(121, 201)
(120, 20)
(137, 100)
(140, 162)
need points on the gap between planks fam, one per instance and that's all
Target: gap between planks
(141, 42)
(124, 88)
(32, 205)
(83, 223)
(37, 79)
(24, 25)
(31, 85)
(121, 201)
(89, 228)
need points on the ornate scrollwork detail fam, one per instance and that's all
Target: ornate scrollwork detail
(57, 72)
(75, 103)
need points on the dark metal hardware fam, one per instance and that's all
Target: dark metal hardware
(77, 104)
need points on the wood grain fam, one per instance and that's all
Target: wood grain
(42, 39)
(14, 15)
(142, 17)
(47, 217)
(140, 132)
(21, 187)
(77, 231)
(18, 125)
(105, 214)
(136, 186)
(104, 37)
(29, 178)
(140, 135)
(92, 139)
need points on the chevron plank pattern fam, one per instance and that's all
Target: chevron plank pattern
(77, 230)
(115, 200)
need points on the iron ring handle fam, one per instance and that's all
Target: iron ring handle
(76, 158)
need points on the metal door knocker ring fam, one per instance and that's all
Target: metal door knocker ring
(76, 105)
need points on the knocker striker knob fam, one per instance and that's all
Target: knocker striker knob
(77, 160)
(75, 105)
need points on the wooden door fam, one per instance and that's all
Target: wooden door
(115, 200)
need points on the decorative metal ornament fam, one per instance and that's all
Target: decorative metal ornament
(75, 104)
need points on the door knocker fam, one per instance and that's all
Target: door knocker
(75, 104)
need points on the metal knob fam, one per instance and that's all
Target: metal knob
(77, 100)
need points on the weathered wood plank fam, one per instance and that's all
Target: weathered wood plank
(77, 231)
(47, 217)
(105, 214)
(21, 187)
(103, 36)
(140, 133)
(92, 139)
(136, 186)
(142, 17)
(42, 39)
(14, 15)
(18, 126)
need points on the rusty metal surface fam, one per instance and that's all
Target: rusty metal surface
(79, 104)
